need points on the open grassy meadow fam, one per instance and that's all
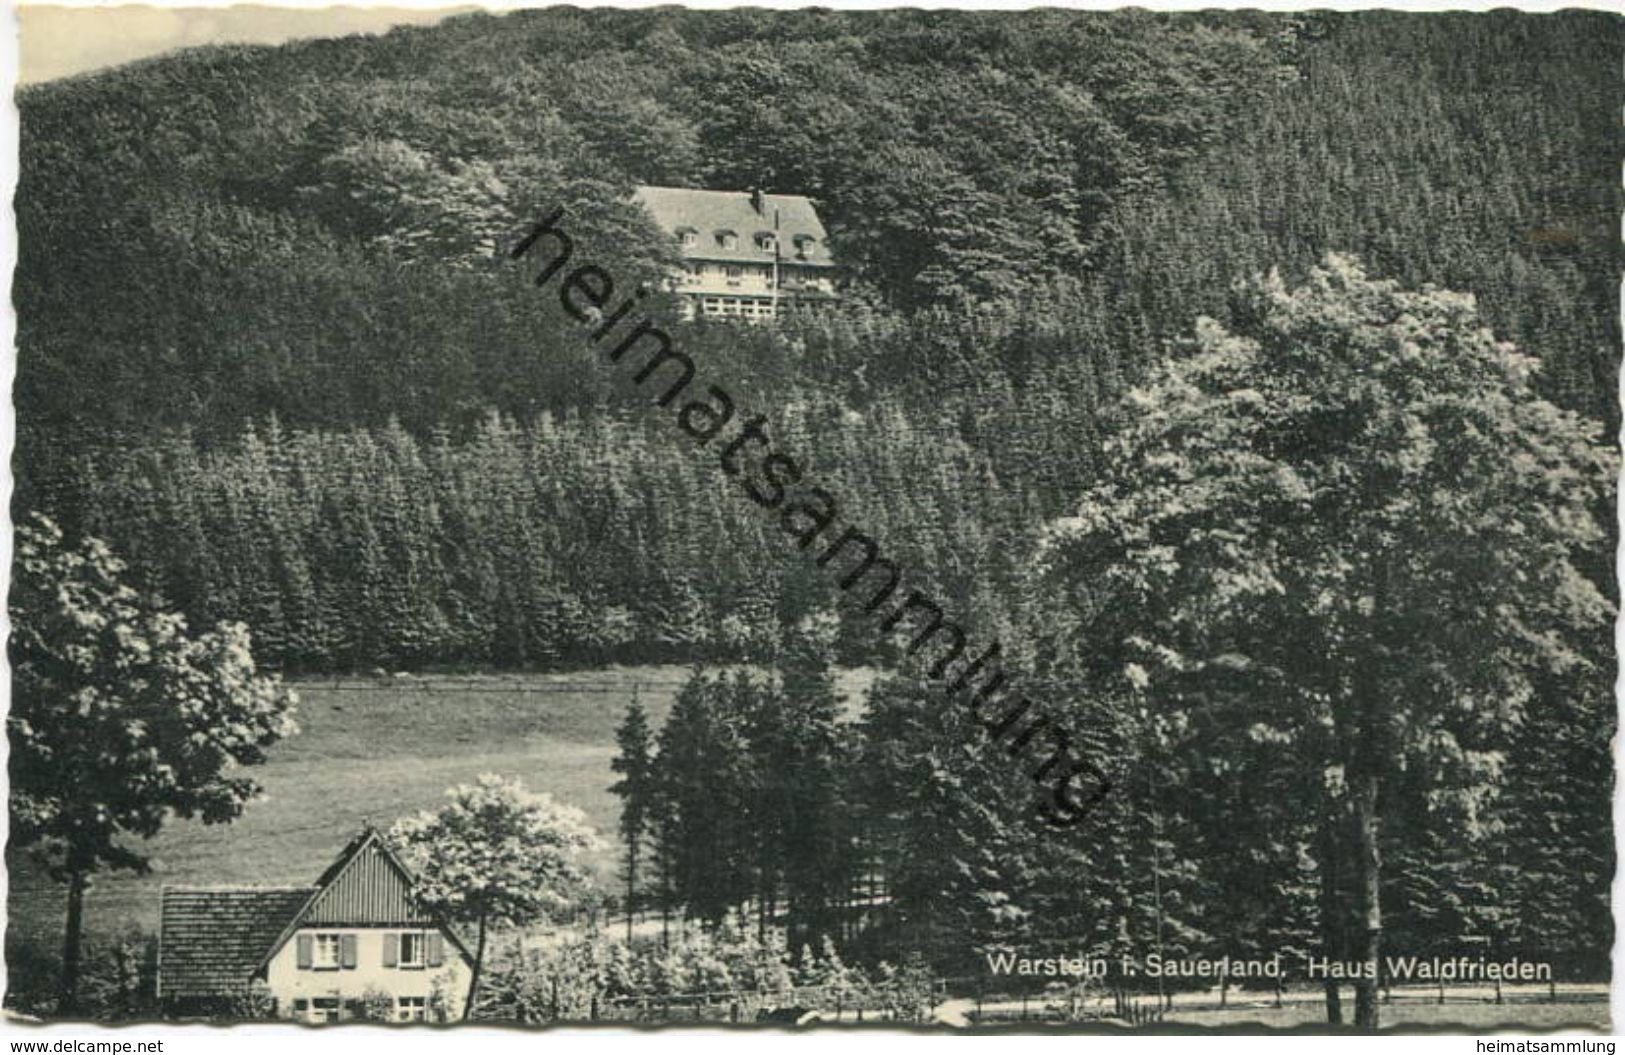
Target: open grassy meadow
(374, 749)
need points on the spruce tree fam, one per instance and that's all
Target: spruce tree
(635, 763)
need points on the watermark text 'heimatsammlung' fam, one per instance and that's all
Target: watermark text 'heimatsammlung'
(809, 515)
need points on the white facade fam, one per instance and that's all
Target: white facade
(744, 255)
(748, 291)
(353, 945)
(322, 992)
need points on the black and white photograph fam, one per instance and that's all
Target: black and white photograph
(1093, 521)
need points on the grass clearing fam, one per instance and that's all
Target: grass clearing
(373, 750)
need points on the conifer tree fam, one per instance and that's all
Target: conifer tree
(635, 763)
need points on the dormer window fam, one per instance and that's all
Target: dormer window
(766, 241)
(688, 236)
(804, 245)
(727, 239)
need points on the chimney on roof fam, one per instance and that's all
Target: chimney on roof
(758, 202)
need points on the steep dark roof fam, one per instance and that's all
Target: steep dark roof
(708, 212)
(368, 835)
(366, 885)
(213, 939)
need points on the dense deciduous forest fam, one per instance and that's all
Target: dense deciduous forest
(271, 350)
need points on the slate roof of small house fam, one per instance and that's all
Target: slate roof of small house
(213, 938)
(709, 212)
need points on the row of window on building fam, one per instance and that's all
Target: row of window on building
(766, 241)
(737, 308)
(332, 952)
(737, 272)
(323, 1009)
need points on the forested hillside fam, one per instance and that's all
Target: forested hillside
(271, 348)
(278, 271)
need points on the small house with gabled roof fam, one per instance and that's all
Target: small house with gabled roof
(354, 944)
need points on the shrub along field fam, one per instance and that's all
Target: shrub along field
(1576, 1009)
(373, 749)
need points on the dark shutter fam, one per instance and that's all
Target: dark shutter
(436, 949)
(302, 946)
(347, 951)
(392, 950)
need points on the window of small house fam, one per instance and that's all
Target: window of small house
(411, 1008)
(325, 952)
(804, 246)
(325, 1009)
(727, 239)
(766, 242)
(689, 238)
(412, 949)
(734, 272)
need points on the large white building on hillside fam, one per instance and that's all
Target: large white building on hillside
(746, 255)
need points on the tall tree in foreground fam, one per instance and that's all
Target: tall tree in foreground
(495, 854)
(708, 828)
(120, 718)
(1349, 526)
(635, 763)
